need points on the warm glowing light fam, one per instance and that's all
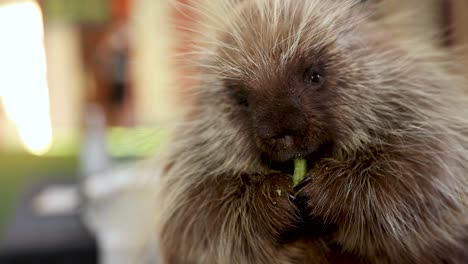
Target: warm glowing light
(23, 79)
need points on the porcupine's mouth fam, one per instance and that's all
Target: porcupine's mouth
(287, 167)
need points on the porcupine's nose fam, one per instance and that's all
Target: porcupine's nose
(279, 125)
(272, 135)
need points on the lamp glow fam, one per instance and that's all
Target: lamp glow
(23, 74)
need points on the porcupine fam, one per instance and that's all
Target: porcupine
(381, 119)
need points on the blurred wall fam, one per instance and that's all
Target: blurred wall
(458, 33)
(66, 80)
(459, 11)
(152, 66)
(421, 17)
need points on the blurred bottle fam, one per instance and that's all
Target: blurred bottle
(94, 157)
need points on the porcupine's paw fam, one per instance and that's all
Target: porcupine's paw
(270, 203)
(231, 219)
(280, 217)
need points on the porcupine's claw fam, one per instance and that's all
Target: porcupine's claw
(293, 196)
(301, 184)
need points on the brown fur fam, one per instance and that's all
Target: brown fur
(384, 131)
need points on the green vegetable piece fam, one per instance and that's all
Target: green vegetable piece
(300, 170)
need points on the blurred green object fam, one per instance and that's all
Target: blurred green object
(83, 11)
(135, 142)
(17, 170)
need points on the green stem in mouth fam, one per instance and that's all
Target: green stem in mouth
(300, 170)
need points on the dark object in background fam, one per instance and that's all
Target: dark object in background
(119, 89)
(33, 239)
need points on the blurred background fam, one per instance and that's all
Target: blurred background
(90, 86)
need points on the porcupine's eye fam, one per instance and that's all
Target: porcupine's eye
(237, 93)
(314, 77)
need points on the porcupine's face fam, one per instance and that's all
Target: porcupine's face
(291, 69)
